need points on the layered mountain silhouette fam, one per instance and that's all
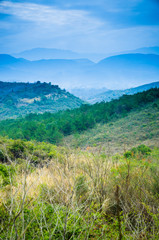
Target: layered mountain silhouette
(53, 53)
(116, 72)
(46, 53)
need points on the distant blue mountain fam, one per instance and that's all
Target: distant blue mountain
(87, 93)
(47, 53)
(115, 94)
(53, 53)
(146, 50)
(136, 59)
(116, 72)
(143, 50)
(6, 59)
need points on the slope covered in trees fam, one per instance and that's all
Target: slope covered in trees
(53, 127)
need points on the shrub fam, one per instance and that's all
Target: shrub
(2, 156)
(6, 174)
(17, 148)
(128, 154)
(81, 187)
(140, 150)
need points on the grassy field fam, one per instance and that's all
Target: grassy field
(50, 192)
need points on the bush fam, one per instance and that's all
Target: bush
(17, 148)
(81, 187)
(2, 156)
(6, 174)
(138, 151)
(141, 150)
(128, 154)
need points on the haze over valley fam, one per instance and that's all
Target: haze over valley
(116, 72)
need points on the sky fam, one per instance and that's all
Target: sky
(92, 26)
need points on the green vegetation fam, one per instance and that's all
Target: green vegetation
(108, 190)
(50, 192)
(38, 153)
(141, 150)
(19, 99)
(53, 127)
(138, 127)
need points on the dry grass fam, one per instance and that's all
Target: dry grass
(61, 176)
(81, 180)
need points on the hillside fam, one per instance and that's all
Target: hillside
(141, 126)
(53, 127)
(108, 95)
(117, 72)
(19, 99)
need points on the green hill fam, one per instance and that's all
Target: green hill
(19, 99)
(53, 127)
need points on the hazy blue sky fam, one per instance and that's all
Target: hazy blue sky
(101, 26)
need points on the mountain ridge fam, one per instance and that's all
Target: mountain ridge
(46, 53)
(122, 71)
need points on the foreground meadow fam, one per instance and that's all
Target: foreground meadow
(50, 192)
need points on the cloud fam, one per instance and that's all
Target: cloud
(47, 16)
(79, 25)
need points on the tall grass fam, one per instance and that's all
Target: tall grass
(81, 195)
